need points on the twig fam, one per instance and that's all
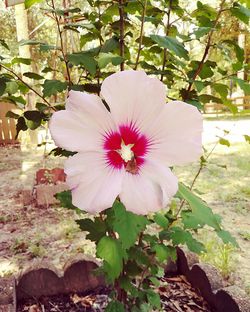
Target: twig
(61, 41)
(202, 165)
(141, 33)
(167, 32)
(121, 13)
(206, 51)
(27, 85)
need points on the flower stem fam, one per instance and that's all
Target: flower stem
(206, 51)
(121, 13)
(166, 32)
(141, 33)
(62, 45)
(202, 165)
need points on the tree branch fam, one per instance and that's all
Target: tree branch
(166, 32)
(61, 41)
(121, 13)
(141, 34)
(28, 86)
(206, 51)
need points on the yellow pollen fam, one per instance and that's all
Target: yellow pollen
(126, 152)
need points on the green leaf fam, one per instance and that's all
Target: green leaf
(4, 44)
(96, 229)
(206, 98)
(227, 238)
(206, 71)
(241, 12)
(163, 253)
(225, 142)
(33, 76)
(244, 85)
(33, 119)
(190, 221)
(11, 114)
(11, 87)
(48, 47)
(180, 236)
(161, 220)
(21, 125)
(199, 208)
(52, 87)
(171, 44)
(61, 152)
(232, 107)
(239, 52)
(47, 70)
(247, 138)
(110, 45)
(221, 89)
(21, 60)
(65, 199)
(127, 222)
(141, 258)
(115, 306)
(110, 250)
(17, 100)
(105, 58)
(201, 31)
(199, 85)
(41, 107)
(29, 3)
(24, 42)
(2, 86)
(85, 59)
(154, 298)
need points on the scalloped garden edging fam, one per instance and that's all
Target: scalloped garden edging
(42, 279)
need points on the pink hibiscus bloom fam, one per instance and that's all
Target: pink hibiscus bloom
(126, 152)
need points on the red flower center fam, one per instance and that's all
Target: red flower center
(127, 147)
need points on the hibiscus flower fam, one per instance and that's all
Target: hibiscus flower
(126, 151)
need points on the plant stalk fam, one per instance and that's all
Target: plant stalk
(122, 47)
(206, 51)
(141, 34)
(61, 43)
(166, 32)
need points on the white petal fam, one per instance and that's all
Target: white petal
(82, 125)
(91, 107)
(150, 190)
(133, 97)
(94, 185)
(177, 134)
(162, 176)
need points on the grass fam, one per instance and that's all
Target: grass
(225, 185)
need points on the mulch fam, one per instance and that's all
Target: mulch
(177, 295)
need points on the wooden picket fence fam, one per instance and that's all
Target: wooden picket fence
(242, 103)
(7, 125)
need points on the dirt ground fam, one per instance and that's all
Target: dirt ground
(28, 233)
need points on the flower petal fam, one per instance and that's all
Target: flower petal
(150, 190)
(82, 125)
(133, 97)
(177, 134)
(91, 107)
(94, 185)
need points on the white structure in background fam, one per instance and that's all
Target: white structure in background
(22, 31)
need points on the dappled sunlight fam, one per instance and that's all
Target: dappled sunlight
(8, 267)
